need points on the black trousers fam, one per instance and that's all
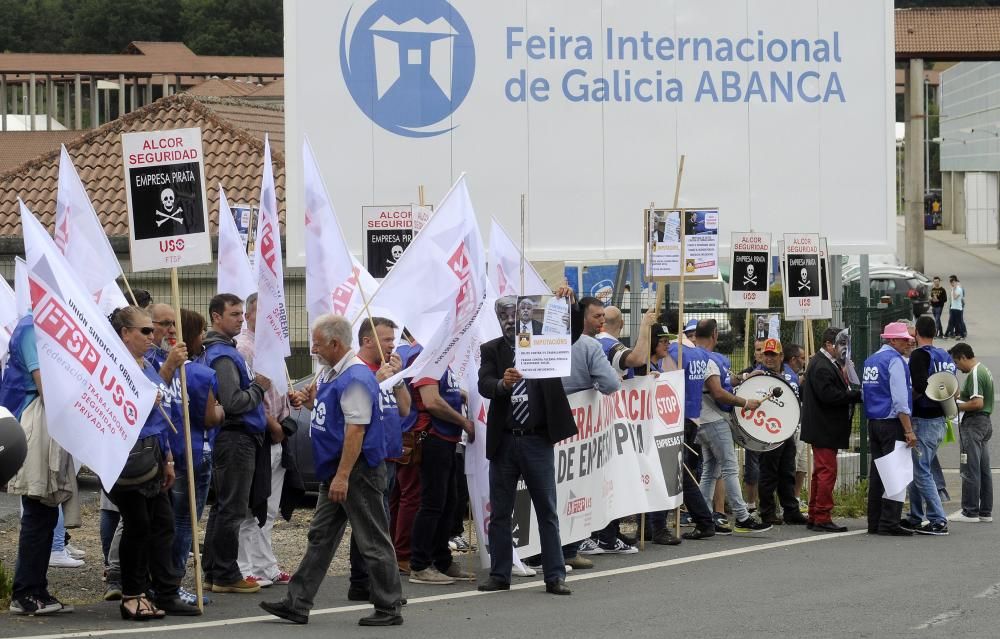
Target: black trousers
(147, 540)
(883, 514)
(777, 473)
(432, 526)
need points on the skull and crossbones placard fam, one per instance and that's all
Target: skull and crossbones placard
(388, 232)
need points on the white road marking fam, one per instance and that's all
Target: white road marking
(599, 574)
(939, 620)
(990, 593)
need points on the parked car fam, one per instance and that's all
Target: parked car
(897, 281)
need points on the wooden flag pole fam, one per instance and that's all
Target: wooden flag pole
(176, 291)
(371, 320)
(680, 302)
(128, 288)
(524, 199)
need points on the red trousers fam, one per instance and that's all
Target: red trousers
(824, 479)
(404, 502)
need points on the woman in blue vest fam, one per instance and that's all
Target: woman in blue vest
(885, 387)
(147, 514)
(205, 414)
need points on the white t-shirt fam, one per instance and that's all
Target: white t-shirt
(709, 409)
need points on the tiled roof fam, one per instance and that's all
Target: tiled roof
(941, 33)
(219, 88)
(18, 147)
(233, 157)
(274, 89)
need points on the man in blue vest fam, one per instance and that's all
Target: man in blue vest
(885, 387)
(929, 427)
(348, 439)
(242, 397)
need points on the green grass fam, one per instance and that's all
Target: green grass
(850, 502)
(6, 586)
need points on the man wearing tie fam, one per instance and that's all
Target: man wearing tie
(525, 322)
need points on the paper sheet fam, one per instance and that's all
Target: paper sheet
(896, 471)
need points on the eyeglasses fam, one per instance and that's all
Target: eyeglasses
(166, 323)
(145, 330)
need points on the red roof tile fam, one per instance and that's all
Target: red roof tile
(945, 33)
(220, 88)
(18, 147)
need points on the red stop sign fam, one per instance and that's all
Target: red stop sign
(667, 405)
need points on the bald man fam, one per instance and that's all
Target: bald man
(167, 352)
(621, 357)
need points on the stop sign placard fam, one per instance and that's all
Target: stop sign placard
(667, 405)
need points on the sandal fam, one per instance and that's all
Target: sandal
(144, 609)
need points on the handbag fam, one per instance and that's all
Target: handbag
(143, 463)
(412, 448)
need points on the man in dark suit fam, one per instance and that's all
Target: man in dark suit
(525, 322)
(827, 397)
(526, 418)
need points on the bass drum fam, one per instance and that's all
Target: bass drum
(775, 421)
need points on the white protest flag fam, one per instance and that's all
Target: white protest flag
(272, 345)
(82, 240)
(439, 284)
(335, 281)
(22, 292)
(235, 275)
(96, 396)
(8, 317)
(505, 266)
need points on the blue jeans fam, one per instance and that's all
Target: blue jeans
(718, 453)
(977, 480)
(924, 490)
(956, 323)
(109, 522)
(33, 547)
(59, 534)
(182, 512)
(533, 459)
(936, 310)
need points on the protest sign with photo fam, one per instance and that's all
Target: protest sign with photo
(801, 282)
(388, 232)
(165, 188)
(542, 337)
(751, 262)
(662, 243)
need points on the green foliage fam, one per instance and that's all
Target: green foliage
(6, 585)
(207, 27)
(851, 502)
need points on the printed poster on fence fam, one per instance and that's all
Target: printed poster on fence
(542, 337)
(801, 275)
(388, 231)
(624, 460)
(662, 243)
(165, 189)
(751, 259)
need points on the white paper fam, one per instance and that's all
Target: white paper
(896, 471)
(542, 347)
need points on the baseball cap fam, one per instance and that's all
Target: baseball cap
(772, 345)
(691, 325)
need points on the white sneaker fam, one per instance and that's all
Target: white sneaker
(75, 552)
(526, 571)
(569, 569)
(589, 547)
(987, 519)
(960, 516)
(61, 559)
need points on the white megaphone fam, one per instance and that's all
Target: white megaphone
(941, 388)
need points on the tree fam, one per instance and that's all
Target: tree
(233, 27)
(108, 26)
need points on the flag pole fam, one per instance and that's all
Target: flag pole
(523, 219)
(680, 302)
(129, 289)
(176, 292)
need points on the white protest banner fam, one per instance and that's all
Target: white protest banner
(624, 460)
(801, 283)
(81, 238)
(505, 266)
(542, 348)
(751, 263)
(168, 210)
(272, 343)
(663, 243)
(335, 281)
(388, 232)
(8, 317)
(96, 396)
(22, 291)
(235, 275)
(439, 285)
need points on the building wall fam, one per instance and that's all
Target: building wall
(970, 117)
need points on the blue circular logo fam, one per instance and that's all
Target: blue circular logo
(409, 65)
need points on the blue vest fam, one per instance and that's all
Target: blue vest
(695, 363)
(724, 367)
(254, 421)
(389, 407)
(407, 353)
(200, 380)
(941, 362)
(155, 356)
(607, 343)
(875, 384)
(327, 426)
(18, 388)
(156, 424)
(450, 392)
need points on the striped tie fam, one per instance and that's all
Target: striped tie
(520, 408)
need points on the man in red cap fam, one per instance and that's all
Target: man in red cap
(888, 402)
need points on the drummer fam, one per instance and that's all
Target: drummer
(777, 466)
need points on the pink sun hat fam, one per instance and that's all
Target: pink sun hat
(896, 330)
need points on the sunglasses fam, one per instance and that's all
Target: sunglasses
(166, 323)
(145, 330)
